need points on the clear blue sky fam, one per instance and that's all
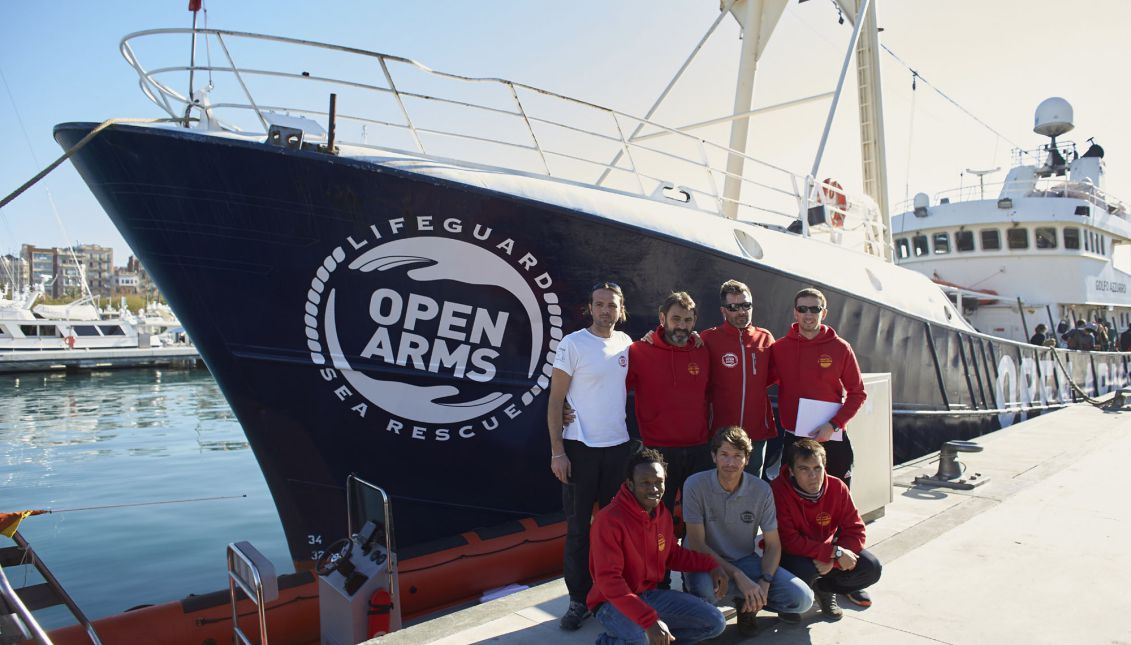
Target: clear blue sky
(999, 59)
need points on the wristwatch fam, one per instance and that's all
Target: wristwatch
(837, 553)
(836, 428)
(766, 577)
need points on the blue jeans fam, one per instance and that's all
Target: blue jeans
(688, 618)
(788, 593)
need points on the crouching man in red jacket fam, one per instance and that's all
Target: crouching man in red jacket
(632, 544)
(822, 535)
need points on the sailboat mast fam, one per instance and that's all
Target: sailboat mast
(873, 149)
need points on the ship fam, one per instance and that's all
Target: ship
(1049, 240)
(420, 241)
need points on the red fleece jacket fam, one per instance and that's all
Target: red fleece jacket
(671, 391)
(628, 553)
(822, 369)
(740, 373)
(814, 529)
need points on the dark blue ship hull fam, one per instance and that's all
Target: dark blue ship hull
(362, 319)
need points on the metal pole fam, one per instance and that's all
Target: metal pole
(192, 68)
(859, 24)
(1024, 324)
(333, 117)
(743, 96)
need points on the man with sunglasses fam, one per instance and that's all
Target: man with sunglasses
(588, 452)
(812, 362)
(740, 369)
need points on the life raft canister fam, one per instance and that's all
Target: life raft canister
(833, 195)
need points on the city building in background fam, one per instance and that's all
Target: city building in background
(64, 269)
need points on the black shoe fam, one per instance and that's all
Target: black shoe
(747, 622)
(574, 616)
(859, 598)
(789, 618)
(827, 602)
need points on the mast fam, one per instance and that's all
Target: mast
(758, 18)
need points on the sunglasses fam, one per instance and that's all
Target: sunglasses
(605, 285)
(739, 306)
(814, 309)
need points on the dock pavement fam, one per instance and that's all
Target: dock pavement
(1040, 553)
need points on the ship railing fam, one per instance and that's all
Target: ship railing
(388, 103)
(16, 612)
(1103, 200)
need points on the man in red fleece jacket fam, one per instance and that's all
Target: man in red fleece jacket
(822, 535)
(632, 544)
(669, 375)
(812, 362)
(740, 370)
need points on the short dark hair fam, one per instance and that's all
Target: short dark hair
(810, 292)
(733, 435)
(804, 449)
(615, 288)
(733, 287)
(643, 456)
(681, 298)
(1041, 327)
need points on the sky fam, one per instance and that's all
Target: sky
(998, 60)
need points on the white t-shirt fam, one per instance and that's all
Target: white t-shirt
(597, 367)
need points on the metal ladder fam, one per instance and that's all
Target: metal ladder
(17, 603)
(252, 573)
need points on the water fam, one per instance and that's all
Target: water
(131, 437)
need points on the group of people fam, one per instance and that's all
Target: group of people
(1098, 335)
(704, 421)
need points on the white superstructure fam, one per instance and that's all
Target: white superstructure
(1050, 235)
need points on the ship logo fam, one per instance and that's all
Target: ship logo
(693, 368)
(729, 359)
(824, 519)
(446, 329)
(825, 361)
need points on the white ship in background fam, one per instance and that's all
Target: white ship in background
(1048, 244)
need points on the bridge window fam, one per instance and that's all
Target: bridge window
(84, 330)
(112, 330)
(964, 241)
(941, 243)
(1017, 238)
(1046, 237)
(1072, 238)
(919, 243)
(902, 248)
(991, 239)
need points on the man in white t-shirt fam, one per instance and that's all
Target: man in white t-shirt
(589, 453)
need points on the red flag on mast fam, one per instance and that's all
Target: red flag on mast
(194, 5)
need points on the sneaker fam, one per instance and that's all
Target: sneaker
(859, 598)
(574, 616)
(747, 622)
(789, 618)
(827, 601)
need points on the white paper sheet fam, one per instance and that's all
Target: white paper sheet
(812, 414)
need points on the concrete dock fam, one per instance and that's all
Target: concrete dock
(1038, 554)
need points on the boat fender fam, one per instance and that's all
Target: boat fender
(833, 194)
(380, 606)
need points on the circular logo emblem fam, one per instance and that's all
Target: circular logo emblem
(623, 360)
(446, 327)
(747, 517)
(729, 359)
(824, 519)
(824, 360)
(693, 369)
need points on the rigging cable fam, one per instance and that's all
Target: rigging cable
(910, 138)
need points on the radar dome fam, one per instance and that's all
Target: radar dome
(1053, 117)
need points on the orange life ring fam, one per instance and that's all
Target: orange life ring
(833, 194)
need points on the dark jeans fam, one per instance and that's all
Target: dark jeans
(838, 457)
(866, 573)
(683, 463)
(596, 475)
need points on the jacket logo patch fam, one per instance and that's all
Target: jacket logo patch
(729, 359)
(693, 369)
(824, 519)
(623, 360)
(661, 543)
(824, 360)
(747, 517)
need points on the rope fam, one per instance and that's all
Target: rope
(75, 148)
(1116, 402)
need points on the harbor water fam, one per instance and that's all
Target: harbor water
(163, 455)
